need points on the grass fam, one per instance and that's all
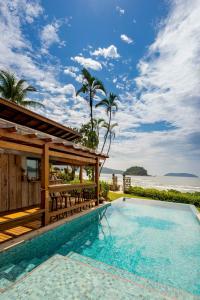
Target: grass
(113, 196)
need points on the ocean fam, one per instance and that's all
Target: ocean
(183, 184)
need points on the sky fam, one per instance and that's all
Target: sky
(146, 52)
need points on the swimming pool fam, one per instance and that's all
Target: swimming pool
(152, 239)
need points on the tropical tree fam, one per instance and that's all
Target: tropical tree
(98, 124)
(90, 138)
(90, 87)
(110, 104)
(16, 90)
(111, 136)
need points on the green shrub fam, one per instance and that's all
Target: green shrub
(104, 189)
(167, 195)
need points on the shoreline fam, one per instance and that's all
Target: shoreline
(181, 184)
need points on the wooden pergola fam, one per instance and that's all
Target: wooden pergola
(25, 133)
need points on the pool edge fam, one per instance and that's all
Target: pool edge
(30, 235)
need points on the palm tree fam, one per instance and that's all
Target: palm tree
(16, 91)
(111, 132)
(111, 107)
(98, 124)
(91, 86)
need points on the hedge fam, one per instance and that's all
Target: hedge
(166, 195)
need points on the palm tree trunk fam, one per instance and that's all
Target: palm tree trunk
(108, 129)
(110, 141)
(91, 112)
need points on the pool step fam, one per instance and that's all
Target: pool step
(69, 278)
(12, 272)
(74, 277)
(164, 290)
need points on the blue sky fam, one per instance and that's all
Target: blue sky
(147, 52)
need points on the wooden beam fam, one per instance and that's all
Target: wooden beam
(97, 179)
(70, 187)
(65, 161)
(20, 138)
(45, 184)
(81, 174)
(64, 136)
(70, 149)
(72, 157)
(31, 135)
(11, 129)
(33, 140)
(19, 147)
(47, 140)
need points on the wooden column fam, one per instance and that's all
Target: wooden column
(81, 174)
(97, 179)
(45, 183)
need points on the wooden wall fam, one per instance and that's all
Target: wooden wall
(14, 192)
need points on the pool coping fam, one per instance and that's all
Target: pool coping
(30, 235)
(165, 204)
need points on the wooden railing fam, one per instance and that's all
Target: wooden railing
(70, 198)
(70, 187)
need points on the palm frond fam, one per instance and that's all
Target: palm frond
(86, 75)
(83, 89)
(30, 88)
(99, 86)
(103, 102)
(113, 126)
(31, 103)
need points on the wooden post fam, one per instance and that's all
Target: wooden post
(81, 174)
(45, 184)
(97, 179)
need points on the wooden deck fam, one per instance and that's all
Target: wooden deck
(16, 223)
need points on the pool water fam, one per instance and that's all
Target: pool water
(157, 241)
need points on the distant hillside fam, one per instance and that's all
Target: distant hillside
(136, 171)
(111, 171)
(181, 175)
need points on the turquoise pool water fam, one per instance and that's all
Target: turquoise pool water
(157, 242)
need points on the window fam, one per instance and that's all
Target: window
(33, 172)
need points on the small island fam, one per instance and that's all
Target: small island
(181, 175)
(136, 171)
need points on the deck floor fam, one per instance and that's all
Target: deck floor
(13, 231)
(17, 223)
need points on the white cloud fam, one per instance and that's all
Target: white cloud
(71, 71)
(110, 52)
(68, 89)
(169, 88)
(49, 36)
(126, 39)
(120, 10)
(79, 78)
(32, 11)
(87, 63)
(169, 79)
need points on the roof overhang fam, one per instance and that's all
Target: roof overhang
(25, 140)
(17, 114)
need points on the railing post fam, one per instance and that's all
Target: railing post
(97, 179)
(45, 184)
